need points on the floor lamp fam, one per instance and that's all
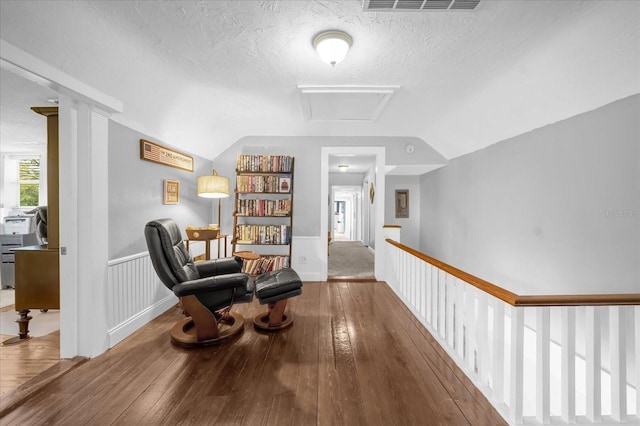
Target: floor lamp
(214, 186)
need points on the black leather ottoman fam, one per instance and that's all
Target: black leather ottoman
(274, 289)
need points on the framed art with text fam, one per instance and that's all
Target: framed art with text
(151, 151)
(171, 191)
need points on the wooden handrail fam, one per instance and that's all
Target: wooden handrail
(518, 300)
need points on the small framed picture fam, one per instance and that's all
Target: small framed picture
(285, 184)
(402, 203)
(171, 191)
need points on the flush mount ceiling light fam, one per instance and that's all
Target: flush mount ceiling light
(332, 45)
(343, 167)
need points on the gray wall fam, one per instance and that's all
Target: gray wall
(410, 231)
(556, 210)
(306, 150)
(136, 192)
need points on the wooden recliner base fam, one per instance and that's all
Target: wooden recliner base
(201, 327)
(274, 318)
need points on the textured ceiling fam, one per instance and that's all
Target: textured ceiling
(203, 74)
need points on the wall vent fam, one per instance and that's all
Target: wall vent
(417, 5)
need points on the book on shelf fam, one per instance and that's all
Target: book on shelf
(264, 163)
(266, 264)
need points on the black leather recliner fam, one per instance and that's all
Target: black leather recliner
(206, 289)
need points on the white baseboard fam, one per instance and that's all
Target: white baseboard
(128, 327)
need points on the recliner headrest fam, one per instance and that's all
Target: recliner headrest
(176, 256)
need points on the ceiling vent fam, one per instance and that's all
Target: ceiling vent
(417, 5)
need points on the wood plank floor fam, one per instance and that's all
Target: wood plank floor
(21, 362)
(353, 356)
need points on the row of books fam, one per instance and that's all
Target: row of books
(264, 163)
(249, 207)
(262, 234)
(263, 184)
(266, 264)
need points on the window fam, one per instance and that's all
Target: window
(29, 181)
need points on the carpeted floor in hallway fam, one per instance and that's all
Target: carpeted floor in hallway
(350, 259)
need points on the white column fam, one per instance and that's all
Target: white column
(69, 306)
(84, 230)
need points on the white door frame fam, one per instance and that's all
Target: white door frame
(84, 227)
(378, 201)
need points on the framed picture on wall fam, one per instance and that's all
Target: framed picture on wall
(171, 191)
(402, 203)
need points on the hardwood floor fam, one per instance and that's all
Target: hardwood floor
(353, 356)
(24, 361)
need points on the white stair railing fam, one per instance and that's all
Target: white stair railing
(538, 359)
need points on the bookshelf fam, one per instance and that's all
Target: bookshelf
(263, 213)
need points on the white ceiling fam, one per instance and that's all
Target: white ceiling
(202, 74)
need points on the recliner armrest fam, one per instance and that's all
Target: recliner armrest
(209, 284)
(213, 267)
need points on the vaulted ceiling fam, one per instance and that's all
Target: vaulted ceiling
(203, 74)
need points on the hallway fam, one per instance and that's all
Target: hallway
(354, 355)
(350, 260)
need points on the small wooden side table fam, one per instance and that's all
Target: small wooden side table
(207, 245)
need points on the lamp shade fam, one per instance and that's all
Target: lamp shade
(332, 46)
(213, 186)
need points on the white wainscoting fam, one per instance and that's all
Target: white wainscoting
(307, 250)
(135, 295)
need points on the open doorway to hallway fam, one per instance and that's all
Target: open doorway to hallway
(350, 256)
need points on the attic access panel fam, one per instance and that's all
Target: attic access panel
(325, 103)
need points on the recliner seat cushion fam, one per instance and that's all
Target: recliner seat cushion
(283, 282)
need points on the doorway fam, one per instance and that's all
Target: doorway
(349, 256)
(353, 216)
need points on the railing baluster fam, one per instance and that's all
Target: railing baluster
(636, 325)
(592, 358)
(470, 327)
(618, 353)
(450, 299)
(459, 315)
(435, 274)
(442, 288)
(427, 295)
(517, 365)
(423, 287)
(482, 339)
(497, 371)
(543, 372)
(568, 368)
